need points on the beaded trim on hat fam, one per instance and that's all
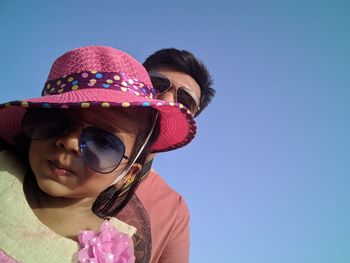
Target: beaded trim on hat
(93, 79)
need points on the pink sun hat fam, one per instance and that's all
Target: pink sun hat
(100, 76)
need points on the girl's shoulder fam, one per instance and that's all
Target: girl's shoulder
(122, 226)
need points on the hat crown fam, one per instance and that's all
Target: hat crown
(98, 67)
(98, 58)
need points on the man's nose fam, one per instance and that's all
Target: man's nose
(169, 95)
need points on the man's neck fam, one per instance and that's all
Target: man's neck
(150, 157)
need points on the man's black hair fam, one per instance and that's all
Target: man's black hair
(185, 62)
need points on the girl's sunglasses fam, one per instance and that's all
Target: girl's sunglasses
(183, 95)
(102, 151)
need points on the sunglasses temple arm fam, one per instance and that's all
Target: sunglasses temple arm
(126, 170)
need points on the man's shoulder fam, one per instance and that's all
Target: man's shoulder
(155, 184)
(157, 211)
(155, 191)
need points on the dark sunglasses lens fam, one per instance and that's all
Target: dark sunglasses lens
(102, 150)
(160, 82)
(40, 124)
(186, 99)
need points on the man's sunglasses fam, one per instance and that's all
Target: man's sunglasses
(183, 95)
(102, 151)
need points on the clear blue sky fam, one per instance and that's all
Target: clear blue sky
(267, 178)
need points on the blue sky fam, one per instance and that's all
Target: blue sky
(267, 177)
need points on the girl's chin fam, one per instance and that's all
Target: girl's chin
(53, 188)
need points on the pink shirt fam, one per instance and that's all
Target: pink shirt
(161, 217)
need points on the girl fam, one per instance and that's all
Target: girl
(68, 153)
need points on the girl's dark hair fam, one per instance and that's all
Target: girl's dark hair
(3, 145)
(110, 202)
(20, 146)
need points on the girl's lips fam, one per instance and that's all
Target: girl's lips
(59, 170)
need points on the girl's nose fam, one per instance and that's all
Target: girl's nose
(70, 140)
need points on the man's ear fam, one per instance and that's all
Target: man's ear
(129, 178)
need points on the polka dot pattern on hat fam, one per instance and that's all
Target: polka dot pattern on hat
(93, 79)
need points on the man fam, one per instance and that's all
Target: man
(159, 213)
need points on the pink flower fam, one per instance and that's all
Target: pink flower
(108, 246)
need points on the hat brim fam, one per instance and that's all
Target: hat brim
(177, 127)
